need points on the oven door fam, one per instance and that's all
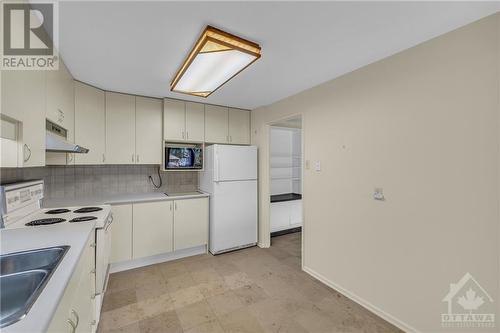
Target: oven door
(102, 255)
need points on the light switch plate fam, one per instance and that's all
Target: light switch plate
(317, 166)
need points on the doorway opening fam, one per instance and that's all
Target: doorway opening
(285, 172)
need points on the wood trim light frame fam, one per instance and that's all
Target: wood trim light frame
(215, 59)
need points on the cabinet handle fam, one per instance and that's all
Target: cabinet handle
(27, 148)
(170, 206)
(93, 322)
(187, 135)
(70, 157)
(137, 158)
(183, 134)
(103, 158)
(76, 316)
(73, 326)
(132, 157)
(92, 244)
(92, 271)
(230, 138)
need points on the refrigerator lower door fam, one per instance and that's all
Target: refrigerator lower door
(233, 218)
(235, 163)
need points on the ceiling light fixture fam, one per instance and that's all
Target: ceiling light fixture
(216, 58)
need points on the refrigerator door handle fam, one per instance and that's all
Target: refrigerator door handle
(217, 172)
(216, 167)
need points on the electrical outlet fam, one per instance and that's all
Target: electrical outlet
(378, 194)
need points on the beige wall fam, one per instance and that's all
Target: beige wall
(424, 126)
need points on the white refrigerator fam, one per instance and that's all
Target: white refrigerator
(230, 177)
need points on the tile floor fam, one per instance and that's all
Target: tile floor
(249, 291)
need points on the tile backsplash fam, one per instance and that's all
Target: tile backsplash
(93, 180)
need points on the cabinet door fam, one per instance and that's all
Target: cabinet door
(190, 223)
(216, 124)
(239, 126)
(90, 123)
(120, 128)
(152, 231)
(23, 98)
(121, 233)
(60, 109)
(295, 213)
(148, 130)
(195, 122)
(280, 216)
(60, 101)
(174, 120)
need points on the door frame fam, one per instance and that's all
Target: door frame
(265, 222)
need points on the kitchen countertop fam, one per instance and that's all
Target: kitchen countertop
(14, 240)
(285, 197)
(115, 199)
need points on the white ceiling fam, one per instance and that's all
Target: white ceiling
(136, 47)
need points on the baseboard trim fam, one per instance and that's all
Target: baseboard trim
(286, 231)
(364, 303)
(164, 257)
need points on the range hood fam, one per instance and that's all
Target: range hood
(55, 140)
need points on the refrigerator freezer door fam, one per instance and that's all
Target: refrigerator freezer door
(235, 163)
(233, 216)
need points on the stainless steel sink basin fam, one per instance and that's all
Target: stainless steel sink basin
(23, 275)
(28, 260)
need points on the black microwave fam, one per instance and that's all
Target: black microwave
(187, 157)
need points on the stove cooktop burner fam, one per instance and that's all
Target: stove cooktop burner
(87, 210)
(58, 211)
(44, 222)
(83, 219)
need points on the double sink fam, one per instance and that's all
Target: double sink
(23, 275)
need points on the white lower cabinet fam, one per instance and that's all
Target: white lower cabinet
(152, 230)
(121, 233)
(286, 215)
(190, 223)
(146, 229)
(75, 312)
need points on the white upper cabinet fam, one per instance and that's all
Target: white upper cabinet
(239, 126)
(148, 130)
(174, 120)
(23, 99)
(60, 99)
(60, 109)
(227, 125)
(120, 128)
(183, 121)
(195, 122)
(90, 123)
(216, 124)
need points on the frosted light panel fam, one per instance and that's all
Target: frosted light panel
(210, 70)
(215, 59)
